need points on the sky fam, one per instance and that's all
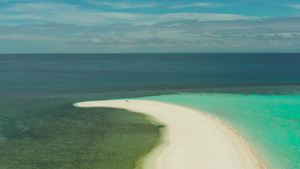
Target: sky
(157, 26)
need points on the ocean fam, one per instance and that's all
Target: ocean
(257, 94)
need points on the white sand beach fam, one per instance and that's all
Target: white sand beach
(194, 139)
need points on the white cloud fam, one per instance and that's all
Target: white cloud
(4, 1)
(122, 5)
(202, 4)
(72, 14)
(30, 37)
(207, 34)
(38, 7)
(204, 17)
(296, 36)
(63, 13)
(8, 17)
(96, 40)
(295, 6)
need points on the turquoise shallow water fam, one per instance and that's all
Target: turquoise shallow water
(270, 123)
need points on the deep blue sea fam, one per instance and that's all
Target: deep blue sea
(57, 74)
(36, 87)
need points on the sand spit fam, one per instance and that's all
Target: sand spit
(194, 139)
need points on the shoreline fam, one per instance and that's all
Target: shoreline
(193, 139)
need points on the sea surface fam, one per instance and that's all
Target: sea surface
(257, 94)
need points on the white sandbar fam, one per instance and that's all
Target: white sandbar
(195, 139)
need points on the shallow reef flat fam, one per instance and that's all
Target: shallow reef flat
(61, 136)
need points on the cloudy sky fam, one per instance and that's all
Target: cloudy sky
(96, 26)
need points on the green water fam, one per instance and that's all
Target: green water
(270, 123)
(51, 133)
